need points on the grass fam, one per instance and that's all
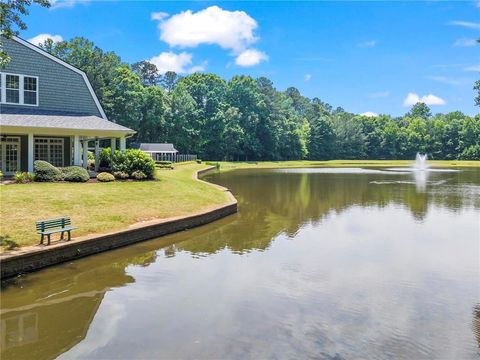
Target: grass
(103, 207)
(228, 166)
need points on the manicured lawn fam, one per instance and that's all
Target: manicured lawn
(104, 207)
(227, 166)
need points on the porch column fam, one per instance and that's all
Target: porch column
(30, 153)
(123, 144)
(97, 154)
(113, 148)
(85, 154)
(76, 150)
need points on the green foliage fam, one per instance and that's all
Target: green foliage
(247, 119)
(121, 175)
(45, 171)
(105, 158)
(216, 164)
(23, 177)
(1, 175)
(199, 161)
(7, 243)
(132, 160)
(471, 153)
(139, 175)
(105, 177)
(75, 174)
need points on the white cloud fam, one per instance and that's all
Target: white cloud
(475, 68)
(232, 30)
(179, 63)
(430, 99)
(367, 44)
(466, 24)
(465, 42)
(308, 77)
(57, 4)
(159, 16)
(40, 38)
(250, 57)
(369, 114)
(379, 94)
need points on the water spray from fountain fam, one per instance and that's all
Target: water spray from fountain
(421, 162)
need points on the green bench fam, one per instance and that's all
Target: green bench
(59, 225)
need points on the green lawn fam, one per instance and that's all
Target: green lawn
(227, 166)
(103, 207)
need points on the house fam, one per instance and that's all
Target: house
(159, 151)
(49, 111)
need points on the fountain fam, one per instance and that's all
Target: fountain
(421, 162)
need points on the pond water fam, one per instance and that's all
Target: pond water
(318, 263)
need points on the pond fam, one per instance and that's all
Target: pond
(318, 263)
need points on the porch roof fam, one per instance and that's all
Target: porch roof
(41, 119)
(158, 148)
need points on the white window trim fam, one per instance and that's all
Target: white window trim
(21, 89)
(48, 146)
(19, 153)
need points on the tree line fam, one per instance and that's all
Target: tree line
(248, 119)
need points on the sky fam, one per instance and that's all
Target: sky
(367, 57)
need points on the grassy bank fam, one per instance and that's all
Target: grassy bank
(104, 207)
(227, 166)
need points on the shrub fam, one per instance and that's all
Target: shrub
(75, 174)
(122, 175)
(470, 153)
(23, 177)
(163, 162)
(132, 160)
(45, 171)
(7, 243)
(216, 164)
(1, 175)
(104, 158)
(105, 177)
(139, 175)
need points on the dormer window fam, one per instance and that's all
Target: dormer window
(18, 89)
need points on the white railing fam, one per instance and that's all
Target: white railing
(174, 158)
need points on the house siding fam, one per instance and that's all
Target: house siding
(60, 88)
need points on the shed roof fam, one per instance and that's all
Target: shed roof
(58, 120)
(157, 147)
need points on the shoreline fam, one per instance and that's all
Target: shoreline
(36, 257)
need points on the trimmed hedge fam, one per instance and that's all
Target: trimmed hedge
(44, 171)
(105, 177)
(75, 174)
(132, 160)
(139, 175)
(121, 175)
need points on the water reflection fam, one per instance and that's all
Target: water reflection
(315, 265)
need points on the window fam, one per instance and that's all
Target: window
(18, 89)
(12, 83)
(49, 149)
(30, 90)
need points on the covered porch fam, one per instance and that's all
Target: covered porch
(26, 138)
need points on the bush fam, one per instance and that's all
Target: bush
(122, 175)
(75, 174)
(139, 175)
(470, 153)
(1, 175)
(45, 171)
(104, 158)
(216, 164)
(105, 177)
(132, 160)
(163, 162)
(23, 177)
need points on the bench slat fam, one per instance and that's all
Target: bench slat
(57, 230)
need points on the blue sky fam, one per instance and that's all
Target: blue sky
(364, 56)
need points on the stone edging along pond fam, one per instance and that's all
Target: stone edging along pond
(37, 257)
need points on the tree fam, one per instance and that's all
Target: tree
(420, 110)
(147, 71)
(11, 12)
(169, 80)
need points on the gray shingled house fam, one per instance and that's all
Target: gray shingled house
(159, 151)
(48, 111)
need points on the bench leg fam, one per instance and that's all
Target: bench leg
(61, 235)
(69, 236)
(41, 240)
(48, 239)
